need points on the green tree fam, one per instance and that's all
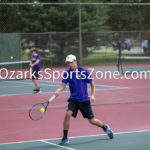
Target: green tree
(37, 18)
(130, 18)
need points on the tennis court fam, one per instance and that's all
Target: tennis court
(122, 141)
(123, 104)
(111, 38)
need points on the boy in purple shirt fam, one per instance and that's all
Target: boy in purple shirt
(35, 64)
(78, 78)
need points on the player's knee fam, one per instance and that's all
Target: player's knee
(92, 121)
(68, 114)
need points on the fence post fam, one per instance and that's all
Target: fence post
(80, 34)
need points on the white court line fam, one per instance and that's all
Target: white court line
(86, 136)
(57, 145)
(13, 86)
(61, 92)
(31, 83)
(115, 88)
(30, 93)
(111, 86)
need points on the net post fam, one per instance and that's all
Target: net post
(119, 65)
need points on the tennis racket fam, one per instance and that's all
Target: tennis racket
(37, 111)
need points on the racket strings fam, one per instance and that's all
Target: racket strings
(36, 113)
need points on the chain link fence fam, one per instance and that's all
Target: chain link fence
(54, 31)
(98, 48)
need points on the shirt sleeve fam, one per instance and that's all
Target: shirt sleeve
(88, 77)
(38, 57)
(31, 59)
(65, 78)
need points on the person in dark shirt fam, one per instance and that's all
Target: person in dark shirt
(35, 64)
(78, 78)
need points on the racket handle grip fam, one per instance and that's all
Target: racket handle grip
(52, 98)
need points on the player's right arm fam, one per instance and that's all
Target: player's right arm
(33, 64)
(30, 63)
(61, 88)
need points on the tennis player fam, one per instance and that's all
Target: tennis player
(77, 77)
(35, 64)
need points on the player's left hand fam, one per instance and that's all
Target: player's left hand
(31, 65)
(92, 98)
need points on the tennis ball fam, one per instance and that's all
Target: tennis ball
(42, 109)
(11, 57)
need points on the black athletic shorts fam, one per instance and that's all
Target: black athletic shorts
(84, 107)
(36, 75)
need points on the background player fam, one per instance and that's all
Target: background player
(35, 64)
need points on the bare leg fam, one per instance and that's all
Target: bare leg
(35, 83)
(106, 128)
(96, 122)
(66, 123)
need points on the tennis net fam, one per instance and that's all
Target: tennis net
(134, 64)
(16, 70)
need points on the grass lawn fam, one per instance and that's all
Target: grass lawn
(111, 59)
(101, 59)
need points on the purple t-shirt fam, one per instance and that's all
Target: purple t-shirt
(33, 60)
(77, 83)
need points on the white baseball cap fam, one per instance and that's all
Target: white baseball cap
(70, 58)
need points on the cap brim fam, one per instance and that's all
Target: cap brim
(69, 61)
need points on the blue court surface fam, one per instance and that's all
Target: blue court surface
(138, 140)
(21, 87)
